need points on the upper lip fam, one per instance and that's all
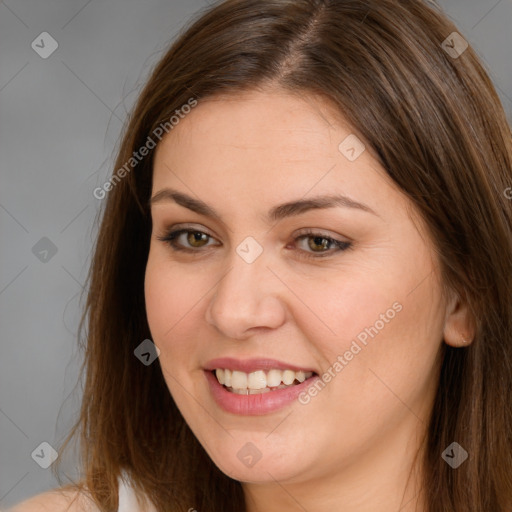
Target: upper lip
(252, 365)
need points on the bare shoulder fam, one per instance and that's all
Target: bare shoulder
(56, 500)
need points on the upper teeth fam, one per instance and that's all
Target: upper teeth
(259, 379)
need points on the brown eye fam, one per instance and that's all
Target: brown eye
(318, 242)
(318, 245)
(186, 240)
(196, 238)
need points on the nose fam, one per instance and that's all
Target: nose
(247, 298)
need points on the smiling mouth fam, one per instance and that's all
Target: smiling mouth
(260, 381)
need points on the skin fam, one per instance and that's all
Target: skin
(354, 443)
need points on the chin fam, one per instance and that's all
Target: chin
(250, 464)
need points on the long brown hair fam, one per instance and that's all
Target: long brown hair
(436, 124)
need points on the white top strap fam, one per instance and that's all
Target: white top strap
(127, 499)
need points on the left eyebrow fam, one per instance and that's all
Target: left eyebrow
(276, 213)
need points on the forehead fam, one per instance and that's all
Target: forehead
(264, 129)
(272, 146)
(256, 122)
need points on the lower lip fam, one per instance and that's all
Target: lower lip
(255, 405)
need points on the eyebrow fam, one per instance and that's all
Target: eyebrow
(276, 213)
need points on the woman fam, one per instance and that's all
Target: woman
(300, 293)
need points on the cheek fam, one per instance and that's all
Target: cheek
(170, 295)
(379, 335)
(343, 308)
(170, 298)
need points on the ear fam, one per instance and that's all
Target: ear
(459, 330)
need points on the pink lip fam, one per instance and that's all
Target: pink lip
(254, 405)
(251, 365)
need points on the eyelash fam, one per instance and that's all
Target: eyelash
(340, 246)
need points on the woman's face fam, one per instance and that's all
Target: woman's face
(261, 283)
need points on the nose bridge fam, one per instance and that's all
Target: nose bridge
(248, 274)
(248, 294)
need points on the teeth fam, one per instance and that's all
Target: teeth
(259, 381)
(288, 377)
(239, 380)
(257, 392)
(300, 376)
(274, 378)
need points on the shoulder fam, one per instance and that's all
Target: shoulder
(56, 500)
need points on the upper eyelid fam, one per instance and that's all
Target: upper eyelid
(187, 228)
(306, 232)
(340, 246)
(301, 232)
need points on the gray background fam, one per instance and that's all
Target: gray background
(60, 119)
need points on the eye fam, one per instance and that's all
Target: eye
(195, 238)
(319, 245)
